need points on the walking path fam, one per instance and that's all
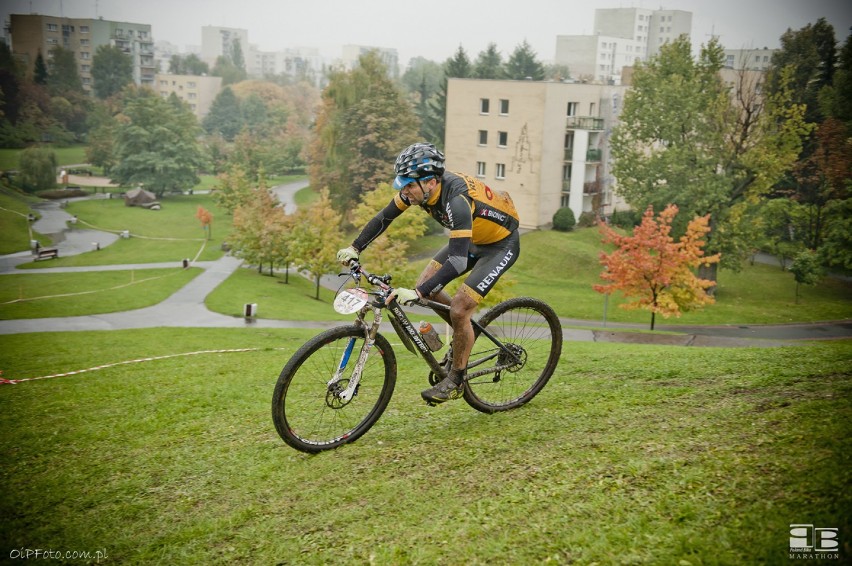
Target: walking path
(186, 308)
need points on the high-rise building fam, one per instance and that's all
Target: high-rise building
(32, 34)
(622, 37)
(390, 57)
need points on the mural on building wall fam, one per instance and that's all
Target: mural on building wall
(522, 155)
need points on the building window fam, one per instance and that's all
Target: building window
(483, 137)
(480, 169)
(484, 105)
(67, 29)
(52, 41)
(572, 108)
(501, 171)
(85, 68)
(504, 107)
(84, 43)
(591, 108)
(52, 27)
(566, 172)
(85, 55)
(191, 84)
(191, 95)
(502, 139)
(86, 80)
(84, 29)
(164, 83)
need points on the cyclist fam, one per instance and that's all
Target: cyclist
(484, 242)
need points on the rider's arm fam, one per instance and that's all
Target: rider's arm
(380, 222)
(459, 246)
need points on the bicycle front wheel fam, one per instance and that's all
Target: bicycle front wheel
(316, 406)
(532, 333)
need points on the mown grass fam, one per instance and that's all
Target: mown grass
(561, 269)
(176, 231)
(631, 455)
(14, 225)
(40, 295)
(70, 155)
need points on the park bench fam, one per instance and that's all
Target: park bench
(47, 253)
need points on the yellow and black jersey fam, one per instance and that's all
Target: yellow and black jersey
(472, 211)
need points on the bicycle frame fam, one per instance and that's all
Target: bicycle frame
(411, 339)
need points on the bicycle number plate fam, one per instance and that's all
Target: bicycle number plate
(350, 300)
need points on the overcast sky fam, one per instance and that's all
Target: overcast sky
(434, 29)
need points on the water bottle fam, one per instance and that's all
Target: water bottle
(430, 336)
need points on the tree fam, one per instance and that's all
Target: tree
(389, 252)
(112, 70)
(260, 228)
(206, 218)
(188, 65)
(231, 66)
(157, 145)
(656, 270)
(422, 79)
(563, 219)
(457, 66)
(224, 117)
(685, 138)
(37, 166)
(64, 77)
(362, 125)
(40, 70)
(316, 239)
(523, 63)
(234, 189)
(807, 269)
(488, 64)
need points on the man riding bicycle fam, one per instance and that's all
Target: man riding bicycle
(484, 242)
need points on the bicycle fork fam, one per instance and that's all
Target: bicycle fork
(355, 378)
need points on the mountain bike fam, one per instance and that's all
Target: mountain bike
(338, 384)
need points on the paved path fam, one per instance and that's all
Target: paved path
(186, 308)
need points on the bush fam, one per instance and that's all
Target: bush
(38, 169)
(587, 219)
(564, 220)
(626, 219)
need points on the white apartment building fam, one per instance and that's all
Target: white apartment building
(622, 37)
(219, 41)
(543, 142)
(390, 57)
(749, 59)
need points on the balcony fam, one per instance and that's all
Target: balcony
(591, 188)
(593, 155)
(585, 123)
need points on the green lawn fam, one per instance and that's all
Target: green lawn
(631, 455)
(71, 155)
(561, 269)
(170, 234)
(40, 295)
(14, 225)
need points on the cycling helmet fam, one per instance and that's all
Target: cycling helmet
(417, 162)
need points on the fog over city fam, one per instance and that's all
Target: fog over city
(434, 30)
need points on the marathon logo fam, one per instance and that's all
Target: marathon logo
(412, 333)
(488, 213)
(493, 274)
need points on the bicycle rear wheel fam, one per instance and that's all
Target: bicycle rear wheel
(530, 329)
(309, 405)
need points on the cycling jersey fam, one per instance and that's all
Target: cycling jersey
(472, 211)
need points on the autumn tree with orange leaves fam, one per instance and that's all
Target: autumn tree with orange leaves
(206, 218)
(656, 271)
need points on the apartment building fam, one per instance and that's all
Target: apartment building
(197, 91)
(32, 34)
(390, 57)
(749, 59)
(219, 41)
(543, 142)
(622, 37)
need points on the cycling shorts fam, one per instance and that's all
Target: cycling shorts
(485, 265)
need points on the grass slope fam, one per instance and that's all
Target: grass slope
(632, 454)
